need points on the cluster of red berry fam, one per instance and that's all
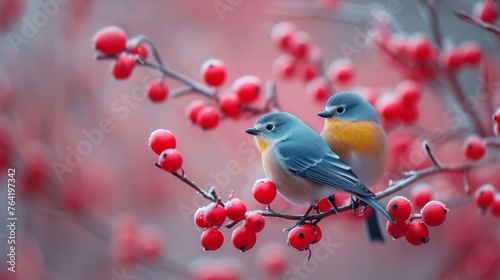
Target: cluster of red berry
(163, 143)
(488, 198)
(133, 243)
(486, 11)
(414, 227)
(302, 58)
(401, 104)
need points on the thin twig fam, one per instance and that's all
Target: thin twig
(477, 22)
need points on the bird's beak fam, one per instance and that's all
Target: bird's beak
(253, 131)
(325, 114)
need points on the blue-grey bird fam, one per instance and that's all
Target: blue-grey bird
(302, 165)
(352, 130)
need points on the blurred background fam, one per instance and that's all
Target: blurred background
(53, 94)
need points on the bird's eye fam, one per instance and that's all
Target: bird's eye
(340, 110)
(269, 127)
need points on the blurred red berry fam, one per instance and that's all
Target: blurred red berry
(495, 207)
(211, 239)
(472, 53)
(229, 105)
(300, 44)
(235, 209)
(281, 34)
(264, 191)
(150, 243)
(73, 198)
(162, 139)
(208, 117)
(434, 213)
(157, 91)
(399, 207)
(409, 91)
(496, 116)
(213, 72)
(391, 108)
(486, 11)
(420, 48)
(474, 148)
(215, 215)
(317, 90)
(421, 194)
(417, 233)
(396, 230)
(496, 129)
(193, 109)
(323, 205)
(10, 12)
(140, 50)
(341, 71)
(255, 222)
(247, 88)
(110, 40)
(452, 58)
(170, 160)
(199, 217)
(409, 114)
(122, 68)
(318, 234)
(273, 258)
(310, 72)
(285, 66)
(243, 239)
(301, 237)
(484, 196)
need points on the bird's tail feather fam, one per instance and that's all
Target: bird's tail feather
(374, 203)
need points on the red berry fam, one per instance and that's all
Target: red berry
(310, 72)
(420, 48)
(396, 230)
(199, 217)
(264, 191)
(215, 215)
(255, 222)
(495, 207)
(496, 129)
(194, 108)
(243, 239)
(486, 11)
(341, 71)
(110, 40)
(211, 239)
(157, 92)
(281, 34)
(409, 114)
(317, 234)
(434, 213)
(452, 58)
(235, 209)
(140, 50)
(409, 91)
(301, 237)
(496, 116)
(247, 88)
(300, 44)
(417, 233)
(317, 90)
(324, 205)
(421, 194)
(472, 53)
(208, 117)
(151, 242)
(474, 148)
(285, 66)
(399, 207)
(162, 139)
(273, 258)
(122, 68)
(229, 105)
(213, 72)
(484, 196)
(170, 160)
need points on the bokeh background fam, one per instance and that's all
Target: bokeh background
(52, 90)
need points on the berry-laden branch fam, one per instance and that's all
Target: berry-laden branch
(111, 43)
(477, 22)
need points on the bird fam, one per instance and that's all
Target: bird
(352, 130)
(301, 164)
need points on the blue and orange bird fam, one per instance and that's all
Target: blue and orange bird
(352, 131)
(302, 166)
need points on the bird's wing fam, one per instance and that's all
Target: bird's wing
(320, 165)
